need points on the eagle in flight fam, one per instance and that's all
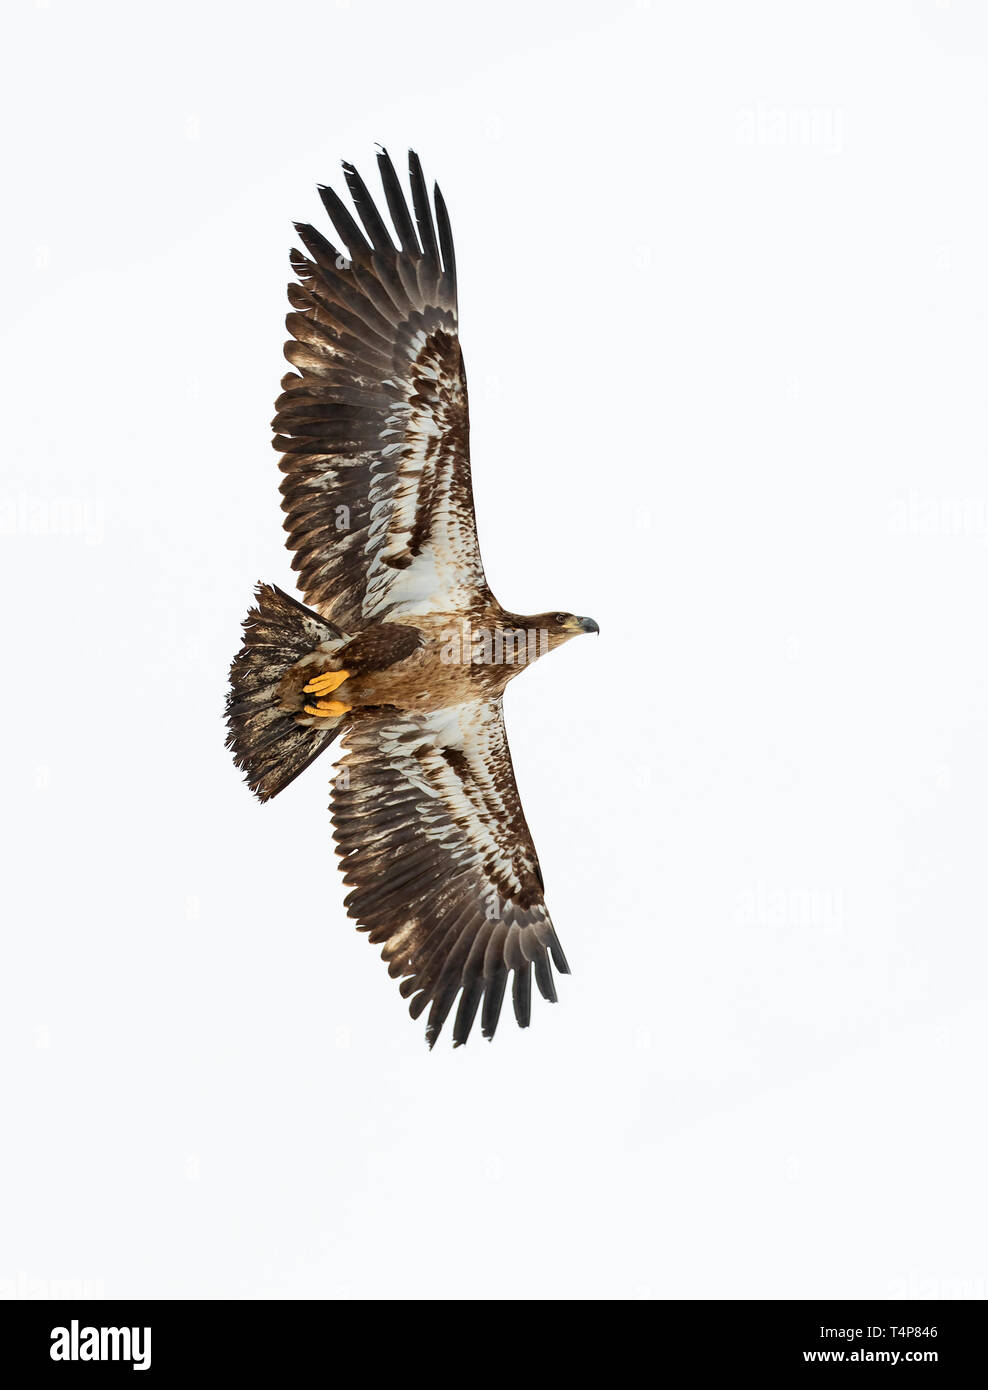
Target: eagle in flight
(402, 652)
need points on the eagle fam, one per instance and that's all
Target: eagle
(400, 649)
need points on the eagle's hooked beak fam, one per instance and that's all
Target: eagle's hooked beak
(587, 625)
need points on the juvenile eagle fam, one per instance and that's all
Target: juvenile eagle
(403, 652)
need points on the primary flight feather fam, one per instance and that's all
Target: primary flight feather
(402, 652)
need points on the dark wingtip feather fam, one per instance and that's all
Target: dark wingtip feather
(423, 212)
(346, 228)
(466, 1012)
(445, 237)
(397, 205)
(543, 977)
(323, 252)
(441, 1005)
(418, 1003)
(492, 1003)
(367, 209)
(558, 959)
(521, 995)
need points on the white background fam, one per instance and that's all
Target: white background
(723, 303)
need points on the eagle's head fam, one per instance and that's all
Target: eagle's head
(554, 629)
(517, 640)
(567, 625)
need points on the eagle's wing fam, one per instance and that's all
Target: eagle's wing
(441, 864)
(374, 425)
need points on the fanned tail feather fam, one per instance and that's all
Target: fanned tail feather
(271, 737)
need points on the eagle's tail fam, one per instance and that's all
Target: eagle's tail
(272, 738)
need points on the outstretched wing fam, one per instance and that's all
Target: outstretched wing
(374, 423)
(441, 864)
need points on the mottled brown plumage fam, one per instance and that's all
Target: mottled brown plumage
(403, 652)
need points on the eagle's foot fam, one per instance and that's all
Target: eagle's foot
(328, 709)
(326, 683)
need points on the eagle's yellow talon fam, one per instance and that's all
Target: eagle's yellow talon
(326, 683)
(328, 709)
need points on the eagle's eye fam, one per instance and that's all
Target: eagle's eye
(559, 619)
